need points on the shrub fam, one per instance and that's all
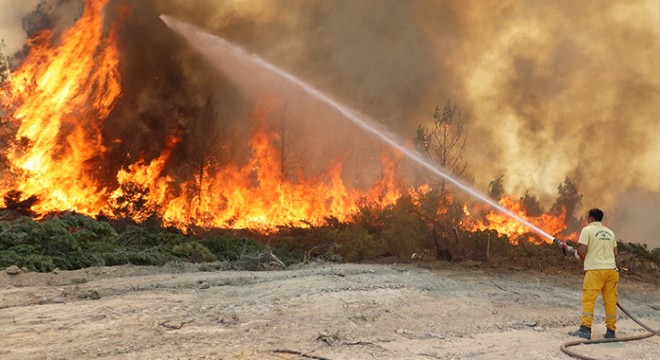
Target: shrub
(355, 243)
(193, 251)
(404, 235)
(229, 247)
(290, 250)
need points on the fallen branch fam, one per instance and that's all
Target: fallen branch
(276, 259)
(503, 289)
(174, 327)
(363, 343)
(293, 352)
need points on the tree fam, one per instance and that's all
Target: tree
(444, 143)
(289, 160)
(568, 198)
(206, 141)
(531, 205)
(4, 63)
(496, 188)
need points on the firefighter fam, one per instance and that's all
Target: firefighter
(597, 248)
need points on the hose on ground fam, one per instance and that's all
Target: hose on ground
(652, 332)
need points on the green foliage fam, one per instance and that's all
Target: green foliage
(356, 243)
(75, 241)
(290, 250)
(639, 250)
(405, 232)
(369, 216)
(138, 236)
(193, 252)
(226, 246)
(478, 244)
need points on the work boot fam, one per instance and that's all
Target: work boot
(583, 332)
(610, 334)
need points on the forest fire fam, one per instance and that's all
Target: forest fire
(513, 229)
(56, 104)
(57, 100)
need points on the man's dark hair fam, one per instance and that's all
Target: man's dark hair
(597, 214)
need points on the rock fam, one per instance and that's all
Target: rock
(24, 269)
(56, 271)
(336, 258)
(13, 270)
(203, 285)
(538, 328)
(400, 331)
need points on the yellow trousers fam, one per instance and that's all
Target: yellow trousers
(596, 282)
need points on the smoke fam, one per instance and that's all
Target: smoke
(547, 89)
(11, 29)
(636, 217)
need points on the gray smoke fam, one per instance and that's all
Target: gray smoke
(547, 89)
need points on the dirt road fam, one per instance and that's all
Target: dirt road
(347, 311)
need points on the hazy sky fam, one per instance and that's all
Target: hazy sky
(11, 31)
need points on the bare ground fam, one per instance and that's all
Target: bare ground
(323, 311)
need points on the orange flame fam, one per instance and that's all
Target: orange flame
(256, 195)
(515, 230)
(56, 103)
(59, 97)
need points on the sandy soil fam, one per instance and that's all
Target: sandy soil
(348, 311)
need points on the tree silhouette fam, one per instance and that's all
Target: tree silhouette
(496, 188)
(443, 142)
(570, 199)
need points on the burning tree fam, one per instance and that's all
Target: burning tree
(444, 143)
(568, 201)
(4, 64)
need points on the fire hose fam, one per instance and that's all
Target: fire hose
(567, 249)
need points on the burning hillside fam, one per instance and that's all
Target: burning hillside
(68, 149)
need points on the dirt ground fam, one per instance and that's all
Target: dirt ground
(320, 310)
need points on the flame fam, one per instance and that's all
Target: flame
(58, 99)
(515, 230)
(256, 195)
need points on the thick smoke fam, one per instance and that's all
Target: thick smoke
(11, 30)
(547, 89)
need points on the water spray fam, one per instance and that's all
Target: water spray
(202, 41)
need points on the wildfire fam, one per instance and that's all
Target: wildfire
(55, 105)
(505, 225)
(255, 195)
(57, 100)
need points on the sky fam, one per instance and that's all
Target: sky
(547, 89)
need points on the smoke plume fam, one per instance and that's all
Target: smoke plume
(547, 89)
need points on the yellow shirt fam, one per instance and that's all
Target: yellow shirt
(600, 243)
